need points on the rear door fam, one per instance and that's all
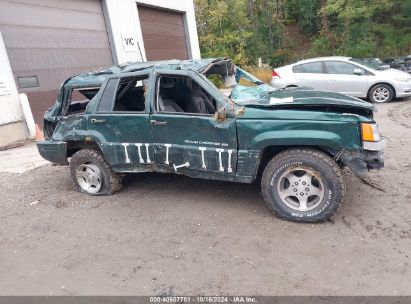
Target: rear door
(120, 123)
(341, 78)
(310, 75)
(195, 144)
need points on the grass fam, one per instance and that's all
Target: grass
(264, 74)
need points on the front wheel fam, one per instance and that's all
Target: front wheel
(303, 185)
(381, 93)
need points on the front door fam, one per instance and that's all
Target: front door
(186, 136)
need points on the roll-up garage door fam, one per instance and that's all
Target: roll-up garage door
(163, 33)
(48, 41)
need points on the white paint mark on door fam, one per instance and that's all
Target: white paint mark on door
(220, 159)
(229, 169)
(187, 164)
(167, 149)
(148, 154)
(202, 149)
(126, 152)
(139, 153)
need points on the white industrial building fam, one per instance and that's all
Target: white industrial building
(43, 42)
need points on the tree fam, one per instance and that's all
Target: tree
(248, 29)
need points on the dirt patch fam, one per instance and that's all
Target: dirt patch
(400, 114)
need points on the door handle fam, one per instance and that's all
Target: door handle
(158, 123)
(95, 120)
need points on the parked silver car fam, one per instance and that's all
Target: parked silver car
(345, 75)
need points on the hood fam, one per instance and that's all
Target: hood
(394, 73)
(301, 97)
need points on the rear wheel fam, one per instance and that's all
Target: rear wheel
(92, 175)
(381, 93)
(303, 185)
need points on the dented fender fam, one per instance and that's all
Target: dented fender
(297, 138)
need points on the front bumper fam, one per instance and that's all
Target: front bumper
(403, 89)
(361, 161)
(375, 146)
(53, 151)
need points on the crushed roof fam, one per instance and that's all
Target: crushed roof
(96, 77)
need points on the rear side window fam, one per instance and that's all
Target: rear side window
(126, 94)
(312, 67)
(79, 99)
(338, 67)
(131, 94)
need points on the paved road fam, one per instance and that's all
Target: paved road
(166, 234)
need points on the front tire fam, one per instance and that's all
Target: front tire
(381, 93)
(303, 185)
(91, 174)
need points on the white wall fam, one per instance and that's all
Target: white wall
(13, 128)
(122, 20)
(10, 109)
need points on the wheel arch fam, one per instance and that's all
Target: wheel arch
(385, 83)
(272, 150)
(74, 146)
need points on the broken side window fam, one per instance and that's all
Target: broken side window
(131, 94)
(79, 99)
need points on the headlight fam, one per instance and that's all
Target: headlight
(369, 132)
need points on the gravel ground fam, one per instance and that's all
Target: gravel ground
(167, 234)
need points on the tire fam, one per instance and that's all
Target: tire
(322, 187)
(381, 93)
(91, 174)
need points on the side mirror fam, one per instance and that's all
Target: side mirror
(358, 72)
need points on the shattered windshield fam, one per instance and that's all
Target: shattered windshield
(243, 91)
(236, 84)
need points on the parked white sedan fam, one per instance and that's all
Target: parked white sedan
(345, 75)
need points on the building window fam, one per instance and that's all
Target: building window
(28, 82)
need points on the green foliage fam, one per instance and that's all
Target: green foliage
(305, 14)
(364, 28)
(245, 30)
(321, 46)
(223, 29)
(216, 80)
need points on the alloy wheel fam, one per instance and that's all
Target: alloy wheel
(301, 189)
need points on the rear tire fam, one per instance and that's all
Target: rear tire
(381, 93)
(303, 185)
(91, 174)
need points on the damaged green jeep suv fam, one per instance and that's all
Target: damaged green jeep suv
(168, 117)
